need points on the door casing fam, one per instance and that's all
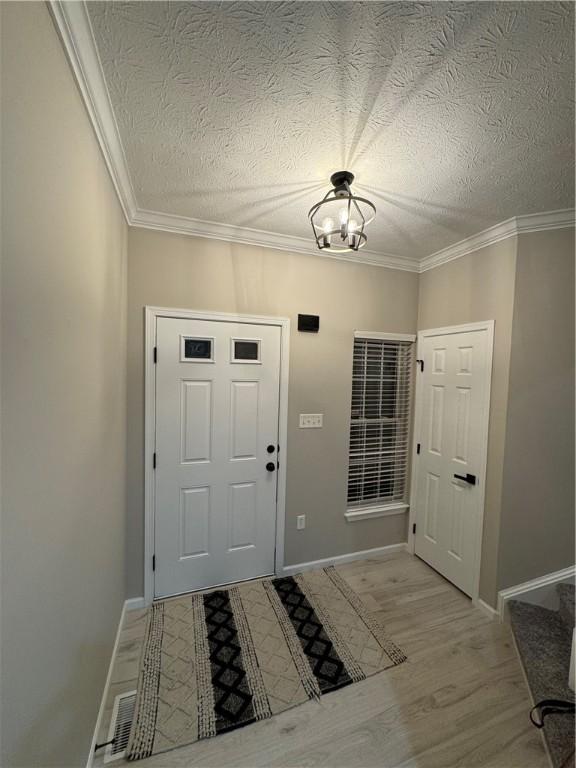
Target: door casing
(488, 326)
(150, 316)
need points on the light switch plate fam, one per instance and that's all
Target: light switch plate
(301, 522)
(311, 420)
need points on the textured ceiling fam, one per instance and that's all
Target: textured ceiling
(453, 116)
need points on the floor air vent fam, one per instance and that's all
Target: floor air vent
(120, 724)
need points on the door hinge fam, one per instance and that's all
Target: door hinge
(421, 364)
(154, 460)
(418, 448)
(414, 528)
(155, 354)
(153, 562)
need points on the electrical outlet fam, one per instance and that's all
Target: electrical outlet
(311, 420)
(301, 522)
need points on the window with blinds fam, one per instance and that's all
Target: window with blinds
(380, 421)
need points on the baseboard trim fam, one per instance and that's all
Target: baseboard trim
(134, 603)
(129, 605)
(106, 689)
(350, 557)
(487, 610)
(528, 587)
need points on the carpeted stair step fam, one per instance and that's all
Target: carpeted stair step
(544, 642)
(566, 597)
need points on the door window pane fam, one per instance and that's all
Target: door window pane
(196, 349)
(245, 350)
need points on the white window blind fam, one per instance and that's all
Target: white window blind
(380, 421)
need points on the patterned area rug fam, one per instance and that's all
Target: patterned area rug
(217, 661)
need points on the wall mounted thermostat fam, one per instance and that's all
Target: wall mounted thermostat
(309, 323)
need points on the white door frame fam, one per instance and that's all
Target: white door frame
(150, 316)
(488, 326)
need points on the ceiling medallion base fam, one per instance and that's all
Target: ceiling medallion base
(340, 218)
(340, 180)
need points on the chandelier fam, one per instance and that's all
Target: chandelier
(340, 218)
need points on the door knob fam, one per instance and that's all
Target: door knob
(270, 466)
(270, 448)
(468, 478)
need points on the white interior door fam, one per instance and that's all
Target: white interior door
(452, 425)
(217, 400)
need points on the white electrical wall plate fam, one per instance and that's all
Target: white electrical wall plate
(311, 420)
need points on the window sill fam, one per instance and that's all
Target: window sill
(383, 510)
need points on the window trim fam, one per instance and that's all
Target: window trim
(385, 336)
(354, 514)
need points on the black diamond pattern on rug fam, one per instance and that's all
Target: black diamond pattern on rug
(325, 663)
(232, 697)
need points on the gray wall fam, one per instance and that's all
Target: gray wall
(65, 555)
(63, 403)
(537, 528)
(178, 271)
(480, 286)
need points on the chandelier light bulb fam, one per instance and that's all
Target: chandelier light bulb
(343, 216)
(327, 226)
(352, 234)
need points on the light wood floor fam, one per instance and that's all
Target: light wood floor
(459, 700)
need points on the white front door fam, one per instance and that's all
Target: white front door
(451, 430)
(217, 400)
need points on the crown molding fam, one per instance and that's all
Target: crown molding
(538, 222)
(212, 230)
(75, 29)
(73, 24)
(534, 222)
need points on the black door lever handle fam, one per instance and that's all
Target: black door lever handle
(470, 479)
